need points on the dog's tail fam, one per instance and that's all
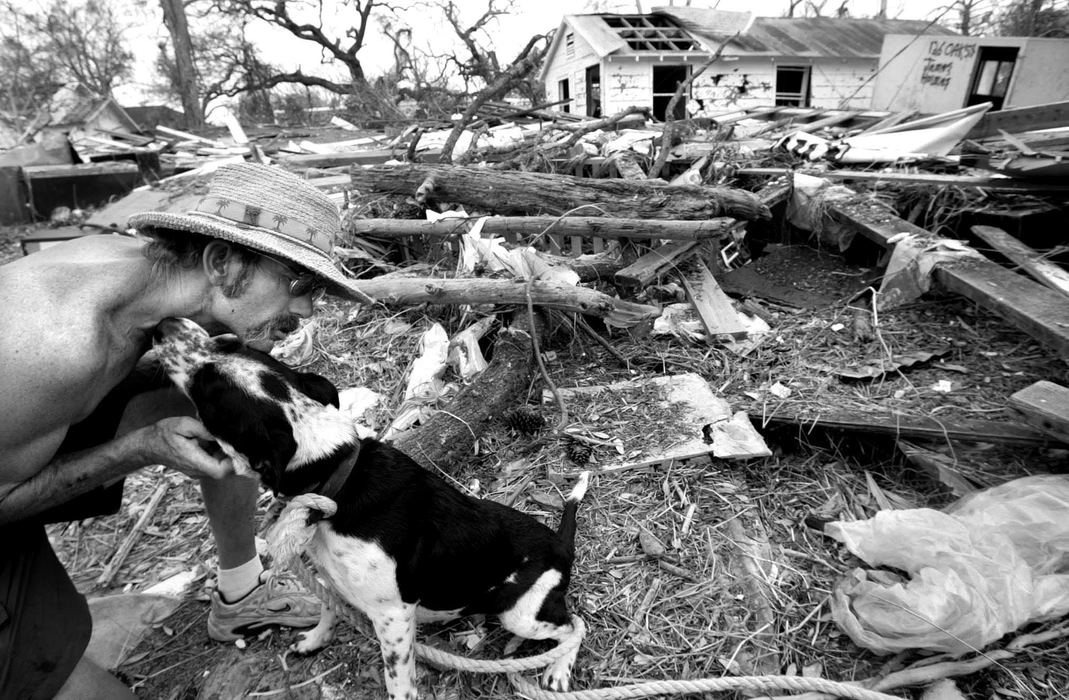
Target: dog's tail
(294, 528)
(566, 531)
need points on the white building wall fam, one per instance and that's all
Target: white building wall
(746, 82)
(935, 74)
(626, 83)
(573, 67)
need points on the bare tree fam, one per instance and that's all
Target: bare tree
(29, 74)
(309, 22)
(88, 41)
(1044, 18)
(185, 73)
(971, 17)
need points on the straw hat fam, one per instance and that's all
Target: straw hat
(270, 210)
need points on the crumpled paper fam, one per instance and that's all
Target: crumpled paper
(994, 561)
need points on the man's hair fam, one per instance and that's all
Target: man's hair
(170, 250)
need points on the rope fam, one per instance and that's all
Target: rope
(444, 659)
(433, 655)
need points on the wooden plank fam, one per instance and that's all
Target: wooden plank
(1038, 311)
(910, 427)
(34, 173)
(715, 310)
(892, 120)
(654, 264)
(1046, 273)
(828, 121)
(1045, 116)
(371, 156)
(1045, 405)
(995, 183)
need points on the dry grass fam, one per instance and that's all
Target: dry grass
(742, 584)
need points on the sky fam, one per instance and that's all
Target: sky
(510, 32)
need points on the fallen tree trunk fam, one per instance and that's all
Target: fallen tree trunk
(448, 438)
(406, 291)
(523, 226)
(513, 192)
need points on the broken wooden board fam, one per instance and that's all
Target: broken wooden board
(1013, 120)
(1046, 406)
(1033, 263)
(716, 311)
(113, 216)
(1028, 305)
(995, 183)
(654, 264)
(705, 426)
(911, 427)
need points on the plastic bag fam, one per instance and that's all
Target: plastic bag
(995, 560)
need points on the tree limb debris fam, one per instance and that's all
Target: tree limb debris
(405, 291)
(509, 192)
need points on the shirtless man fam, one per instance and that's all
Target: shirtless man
(76, 318)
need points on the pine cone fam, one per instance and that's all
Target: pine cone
(524, 419)
(577, 451)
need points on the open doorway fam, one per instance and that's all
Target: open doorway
(593, 91)
(666, 80)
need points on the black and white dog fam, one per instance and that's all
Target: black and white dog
(394, 540)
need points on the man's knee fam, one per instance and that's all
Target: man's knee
(89, 681)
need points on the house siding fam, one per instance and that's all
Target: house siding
(749, 82)
(572, 68)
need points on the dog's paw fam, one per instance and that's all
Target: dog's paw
(557, 677)
(310, 641)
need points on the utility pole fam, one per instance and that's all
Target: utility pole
(174, 16)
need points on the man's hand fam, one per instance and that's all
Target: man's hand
(176, 443)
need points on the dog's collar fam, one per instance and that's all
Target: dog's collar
(334, 484)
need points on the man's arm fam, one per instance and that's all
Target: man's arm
(172, 441)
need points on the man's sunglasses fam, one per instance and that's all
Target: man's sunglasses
(301, 282)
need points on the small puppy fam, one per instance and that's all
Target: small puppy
(394, 540)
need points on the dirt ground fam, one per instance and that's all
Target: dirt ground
(707, 613)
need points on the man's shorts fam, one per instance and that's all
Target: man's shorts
(44, 620)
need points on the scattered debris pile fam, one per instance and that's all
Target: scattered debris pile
(736, 392)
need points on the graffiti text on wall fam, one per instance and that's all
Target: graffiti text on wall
(940, 61)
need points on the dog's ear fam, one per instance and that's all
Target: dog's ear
(319, 388)
(278, 450)
(255, 427)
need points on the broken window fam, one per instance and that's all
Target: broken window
(563, 93)
(666, 80)
(792, 86)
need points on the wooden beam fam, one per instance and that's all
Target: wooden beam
(653, 264)
(1031, 307)
(34, 173)
(524, 226)
(910, 427)
(1046, 273)
(1045, 116)
(994, 183)
(1046, 406)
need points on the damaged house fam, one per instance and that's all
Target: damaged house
(603, 63)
